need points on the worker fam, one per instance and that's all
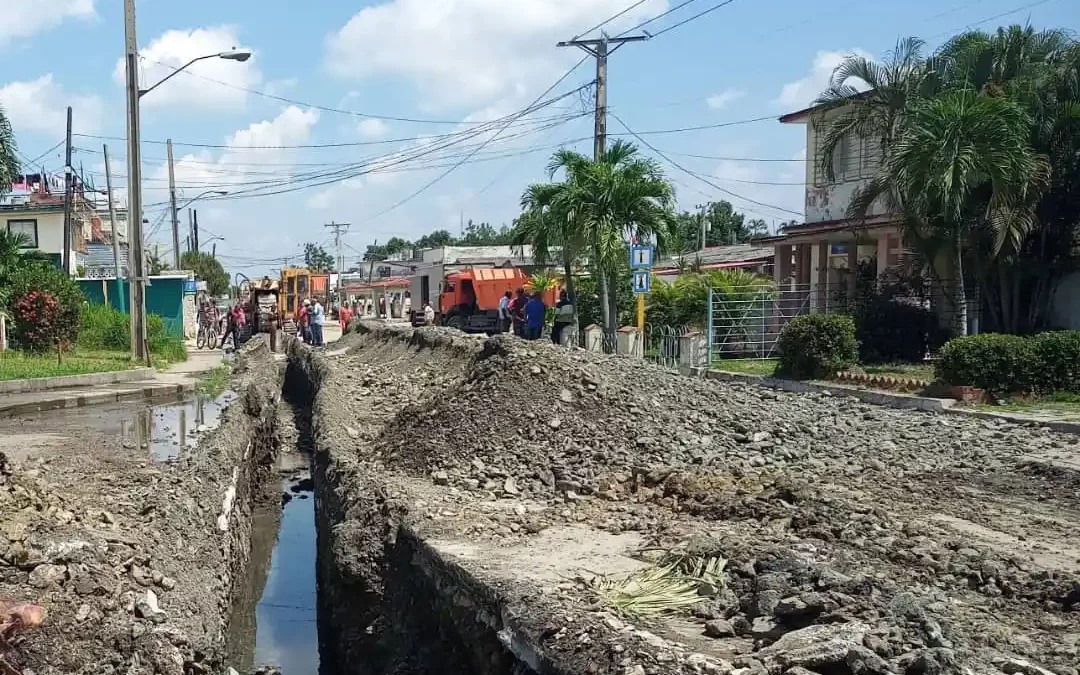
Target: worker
(517, 311)
(406, 306)
(564, 316)
(303, 321)
(235, 322)
(534, 316)
(504, 311)
(344, 314)
(429, 314)
(318, 318)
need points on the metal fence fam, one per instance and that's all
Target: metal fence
(663, 344)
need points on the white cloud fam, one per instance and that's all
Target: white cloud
(193, 87)
(325, 199)
(41, 105)
(802, 92)
(724, 98)
(470, 51)
(23, 19)
(373, 128)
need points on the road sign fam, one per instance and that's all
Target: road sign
(642, 281)
(641, 257)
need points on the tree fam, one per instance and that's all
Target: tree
(436, 239)
(9, 160)
(317, 259)
(546, 229)
(209, 269)
(484, 234)
(157, 263)
(619, 196)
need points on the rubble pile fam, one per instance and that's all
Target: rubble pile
(858, 539)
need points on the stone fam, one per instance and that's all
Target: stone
(83, 613)
(1014, 665)
(510, 486)
(146, 607)
(138, 629)
(816, 647)
(440, 478)
(44, 576)
(168, 583)
(555, 423)
(719, 628)
(566, 396)
(353, 433)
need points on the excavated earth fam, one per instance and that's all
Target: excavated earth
(134, 560)
(858, 539)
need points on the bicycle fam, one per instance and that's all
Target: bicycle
(207, 335)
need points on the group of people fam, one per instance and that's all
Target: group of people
(527, 314)
(310, 319)
(226, 324)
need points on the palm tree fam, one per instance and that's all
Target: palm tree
(9, 161)
(546, 230)
(605, 202)
(961, 168)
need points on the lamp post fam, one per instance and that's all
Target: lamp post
(138, 276)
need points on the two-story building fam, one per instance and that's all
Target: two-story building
(35, 209)
(821, 255)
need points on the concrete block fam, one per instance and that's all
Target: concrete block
(594, 339)
(629, 342)
(693, 351)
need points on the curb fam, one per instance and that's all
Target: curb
(88, 380)
(82, 400)
(903, 401)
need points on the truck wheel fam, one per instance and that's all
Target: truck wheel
(455, 322)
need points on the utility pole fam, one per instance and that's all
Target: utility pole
(191, 231)
(195, 229)
(213, 250)
(600, 49)
(339, 229)
(136, 256)
(172, 209)
(115, 232)
(69, 187)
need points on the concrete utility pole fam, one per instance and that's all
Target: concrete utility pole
(339, 229)
(600, 49)
(172, 209)
(69, 187)
(191, 231)
(115, 232)
(195, 229)
(136, 256)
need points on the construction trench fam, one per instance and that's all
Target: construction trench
(420, 501)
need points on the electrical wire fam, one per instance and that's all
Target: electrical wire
(698, 176)
(608, 20)
(968, 26)
(657, 17)
(692, 18)
(44, 154)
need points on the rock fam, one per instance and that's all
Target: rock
(510, 486)
(44, 576)
(555, 423)
(535, 370)
(816, 647)
(141, 576)
(138, 629)
(765, 628)
(719, 628)
(83, 613)
(440, 478)
(353, 433)
(168, 583)
(146, 607)
(566, 396)
(634, 670)
(1014, 665)
(799, 611)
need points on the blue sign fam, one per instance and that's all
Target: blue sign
(641, 257)
(190, 286)
(642, 281)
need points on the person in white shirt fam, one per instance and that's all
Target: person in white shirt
(429, 314)
(318, 318)
(407, 307)
(504, 311)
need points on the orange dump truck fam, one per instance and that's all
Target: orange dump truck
(469, 299)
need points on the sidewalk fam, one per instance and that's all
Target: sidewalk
(179, 380)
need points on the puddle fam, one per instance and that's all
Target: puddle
(164, 429)
(274, 616)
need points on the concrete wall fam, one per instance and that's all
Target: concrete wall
(1065, 309)
(829, 201)
(50, 231)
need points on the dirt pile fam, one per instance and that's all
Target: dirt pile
(858, 539)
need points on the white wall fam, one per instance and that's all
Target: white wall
(830, 201)
(50, 231)
(1065, 309)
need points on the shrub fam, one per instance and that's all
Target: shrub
(46, 304)
(168, 347)
(894, 330)
(105, 328)
(816, 345)
(1012, 364)
(999, 364)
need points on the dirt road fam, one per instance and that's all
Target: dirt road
(856, 539)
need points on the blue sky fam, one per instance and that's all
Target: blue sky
(461, 62)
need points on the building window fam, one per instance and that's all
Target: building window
(26, 227)
(853, 158)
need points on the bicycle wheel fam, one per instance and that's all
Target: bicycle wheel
(211, 339)
(200, 338)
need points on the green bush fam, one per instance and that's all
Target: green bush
(816, 345)
(105, 328)
(58, 288)
(168, 347)
(1013, 364)
(891, 331)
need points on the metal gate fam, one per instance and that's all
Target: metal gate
(745, 321)
(662, 344)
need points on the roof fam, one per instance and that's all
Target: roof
(804, 114)
(399, 282)
(722, 256)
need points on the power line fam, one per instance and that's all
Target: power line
(735, 159)
(608, 20)
(692, 18)
(1030, 5)
(657, 17)
(698, 176)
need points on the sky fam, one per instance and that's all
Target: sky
(399, 117)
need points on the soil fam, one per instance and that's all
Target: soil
(857, 539)
(124, 551)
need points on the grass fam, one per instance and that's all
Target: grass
(20, 366)
(213, 383)
(763, 367)
(918, 371)
(1062, 405)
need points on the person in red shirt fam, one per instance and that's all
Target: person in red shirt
(302, 319)
(344, 315)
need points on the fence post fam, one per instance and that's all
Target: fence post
(709, 334)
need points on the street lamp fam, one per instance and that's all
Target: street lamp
(230, 55)
(219, 193)
(193, 222)
(134, 93)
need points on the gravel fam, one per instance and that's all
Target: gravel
(858, 539)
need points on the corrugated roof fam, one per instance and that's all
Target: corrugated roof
(721, 255)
